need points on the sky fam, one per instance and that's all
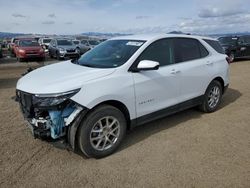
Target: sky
(124, 16)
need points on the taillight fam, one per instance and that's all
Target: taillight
(228, 60)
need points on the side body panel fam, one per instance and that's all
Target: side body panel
(117, 87)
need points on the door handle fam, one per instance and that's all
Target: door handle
(209, 63)
(175, 71)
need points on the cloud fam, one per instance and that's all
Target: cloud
(221, 24)
(16, 24)
(52, 15)
(18, 15)
(142, 17)
(218, 12)
(68, 23)
(48, 22)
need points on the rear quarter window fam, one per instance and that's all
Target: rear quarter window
(215, 45)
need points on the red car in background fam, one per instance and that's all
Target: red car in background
(28, 49)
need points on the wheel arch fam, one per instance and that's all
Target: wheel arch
(220, 79)
(120, 106)
(73, 129)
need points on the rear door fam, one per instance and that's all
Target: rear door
(195, 66)
(157, 89)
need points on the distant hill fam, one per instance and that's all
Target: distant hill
(103, 35)
(110, 35)
(10, 35)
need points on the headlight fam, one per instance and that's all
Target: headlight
(43, 100)
(62, 50)
(21, 51)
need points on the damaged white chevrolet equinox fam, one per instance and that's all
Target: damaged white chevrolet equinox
(92, 101)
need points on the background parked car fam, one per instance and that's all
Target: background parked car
(236, 46)
(5, 43)
(82, 47)
(1, 51)
(44, 42)
(12, 45)
(62, 48)
(76, 42)
(90, 43)
(27, 49)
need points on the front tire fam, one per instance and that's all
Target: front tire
(102, 131)
(212, 97)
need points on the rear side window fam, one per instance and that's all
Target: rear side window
(203, 51)
(160, 51)
(215, 45)
(188, 49)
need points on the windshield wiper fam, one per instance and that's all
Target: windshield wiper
(87, 65)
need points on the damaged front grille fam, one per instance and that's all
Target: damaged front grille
(26, 105)
(47, 121)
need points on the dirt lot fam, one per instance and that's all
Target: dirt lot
(189, 149)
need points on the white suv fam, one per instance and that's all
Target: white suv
(122, 83)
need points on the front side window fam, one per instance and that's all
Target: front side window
(159, 51)
(186, 49)
(110, 54)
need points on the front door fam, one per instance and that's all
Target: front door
(157, 89)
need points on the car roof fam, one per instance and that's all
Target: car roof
(148, 37)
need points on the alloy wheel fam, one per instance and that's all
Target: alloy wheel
(214, 97)
(105, 133)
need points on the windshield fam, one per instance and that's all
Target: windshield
(228, 40)
(64, 42)
(76, 42)
(84, 42)
(46, 40)
(93, 42)
(109, 54)
(28, 43)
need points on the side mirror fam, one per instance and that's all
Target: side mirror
(145, 65)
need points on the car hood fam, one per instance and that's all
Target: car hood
(59, 77)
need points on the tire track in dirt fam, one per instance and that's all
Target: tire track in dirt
(26, 165)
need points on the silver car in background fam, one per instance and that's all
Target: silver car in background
(62, 48)
(86, 45)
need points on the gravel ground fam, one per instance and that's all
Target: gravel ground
(189, 149)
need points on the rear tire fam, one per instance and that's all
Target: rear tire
(50, 55)
(58, 56)
(212, 97)
(101, 132)
(232, 56)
